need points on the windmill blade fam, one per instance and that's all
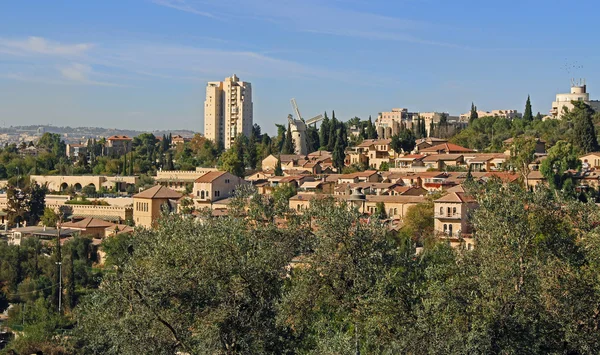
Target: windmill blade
(315, 119)
(296, 110)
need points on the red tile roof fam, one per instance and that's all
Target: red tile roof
(210, 176)
(118, 138)
(158, 192)
(447, 147)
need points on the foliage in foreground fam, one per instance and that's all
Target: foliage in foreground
(224, 285)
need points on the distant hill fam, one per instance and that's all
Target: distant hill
(78, 133)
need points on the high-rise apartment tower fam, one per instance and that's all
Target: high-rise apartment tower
(228, 110)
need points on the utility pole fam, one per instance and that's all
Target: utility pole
(59, 264)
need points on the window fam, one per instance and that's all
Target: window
(441, 211)
(445, 228)
(227, 181)
(201, 194)
(454, 211)
(450, 229)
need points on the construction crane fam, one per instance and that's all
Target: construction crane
(313, 120)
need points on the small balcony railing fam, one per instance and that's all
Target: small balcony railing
(448, 215)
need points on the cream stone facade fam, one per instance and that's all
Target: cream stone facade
(178, 179)
(216, 185)
(451, 217)
(228, 110)
(148, 204)
(396, 207)
(78, 182)
(508, 114)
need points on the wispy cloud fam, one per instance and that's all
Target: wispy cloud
(39, 45)
(80, 73)
(181, 5)
(318, 17)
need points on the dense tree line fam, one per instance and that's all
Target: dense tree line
(578, 127)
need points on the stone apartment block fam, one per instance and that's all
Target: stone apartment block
(228, 110)
(565, 101)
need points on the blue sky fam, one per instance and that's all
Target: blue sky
(143, 64)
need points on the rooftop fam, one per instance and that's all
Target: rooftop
(158, 192)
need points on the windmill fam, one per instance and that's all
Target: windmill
(298, 128)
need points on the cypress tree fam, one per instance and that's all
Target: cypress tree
(371, 131)
(324, 132)
(131, 164)
(278, 170)
(338, 155)
(583, 128)
(332, 132)
(288, 143)
(124, 170)
(474, 114)
(528, 115)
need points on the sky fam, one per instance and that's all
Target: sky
(144, 64)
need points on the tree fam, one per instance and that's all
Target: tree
(380, 211)
(232, 163)
(50, 218)
(312, 139)
(250, 157)
(224, 302)
(278, 170)
(324, 132)
(561, 157)
(371, 130)
(339, 156)
(419, 221)
(403, 142)
(26, 201)
(335, 305)
(528, 115)
(288, 144)
(473, 116)
(584, 134)
(333, 130)
(522, 154)
(539, 117)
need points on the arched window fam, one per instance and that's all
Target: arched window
(395, 211)
(441, 210)
(454, 211)
(202, 194)
(391, 212)
(448, 211)
(445, 228)
(450, 229)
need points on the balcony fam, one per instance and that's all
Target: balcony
(448, 216)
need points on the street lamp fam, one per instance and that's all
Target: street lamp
(59, 285)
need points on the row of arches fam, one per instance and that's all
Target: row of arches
(77, 186)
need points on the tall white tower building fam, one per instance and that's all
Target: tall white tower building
(228, 110)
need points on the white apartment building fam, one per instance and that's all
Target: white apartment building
(228, 110)
(578, 93)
